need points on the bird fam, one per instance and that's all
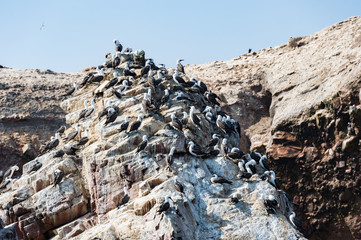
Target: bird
(180, 67)
(58, 176)
(214, 141)
(143, 144)
(10, 172)
(72, 90)
(225, 128)
(271, 177)
(125, 197)
(178, 186)
(184, 119)
(216, 179)
(256, 156)
(114, 80)
(251, 166)
(176, 123)
(165, 97)
(195, 150)
(36, 166)
(73, 134)
(105, 110)
(295, 221)
(127, 71)
(58, 153)
(135, 125)
(170, 158)
(98, 77)
(244, 173)
(116, 60)
(212, 97)
(61, 130)
(118, 46)
(145, 69)
(83, 111)
(264, 163)
(234, 198)
(235, 154)
(224, 147)
(193, 116)
(70, 149)
(90, 110)
(124, 125)
(53, 144)
(177, 78)
(84, 139)
(111, 116)
(118, 93)
(270, 201)
(165, 205)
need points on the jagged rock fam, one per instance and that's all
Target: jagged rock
(350, 145)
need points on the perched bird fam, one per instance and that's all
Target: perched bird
(180, 67)
(118, 46)
(184, 119)
(61, 130)
(235, 154)
(256, 156)
(72, 90)
(118, 93)
(170, 159)
(135, 125)
(165, 205)
(9, 173)
(214, 141)
(271, 177)
(295, 221)
(91, 110)
(114, 80)
(73, 134)
(124, 125)
(251, 166)
(224, 147)
(98, 77)
(264, 163)
(193, 116)
(212, 97)
(84, 139)
(165, 97)
(234, 198)
(111, 116)
(58, 176)
(143, 144)
(244, 173)
(125, 197)
(145, 69)
(70, 149)
(178, 186)
(216, 179)
(105, 110)
(270, 201)
(83, 111)
(36, 166)
(176, 123)
(58, 153)
(222, 126)
(195, 150)
(116, 60)
(177, 78)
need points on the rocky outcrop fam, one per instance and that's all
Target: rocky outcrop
(295, 102)
(85, 203)
(29, 112)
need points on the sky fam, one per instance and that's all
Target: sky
(70, 35)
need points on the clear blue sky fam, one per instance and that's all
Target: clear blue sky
(78, 33)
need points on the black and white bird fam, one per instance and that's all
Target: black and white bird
(58, 153)
(125, 198)
(181, 96)
(73, 134)
(178, 185)
(178, 79)
(295, 221)
(271, 178)
(118, 93)
(136, 124)
(69, 149)
(195, 150)
(143, 144)
(165, 205)
(165, 97)
(116, 60)
(244, 173)
(234, 198)
(72, 90)
(212, 97)
(36, 166)
(264, 162)
(256, 156)
(145, 69)
(83, 111)
(111, 116)
(90, 110)
(180, 67)
(251, 166)
(176, 123)
(114, 80)
(224, 147)
(124, 125)
(216, 179)
(225, 128)
(170, 158)
(194, 118)
(98, 77)
(58, 176)
(235, 154)
(184, 119)
(118, 46)
(84, 139)
(214, 141)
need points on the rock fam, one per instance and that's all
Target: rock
(345, 196)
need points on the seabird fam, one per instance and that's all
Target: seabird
(224, 147)
(128, 50)
(181, 96)
(125, 86)
(91, 109)
(145, 69)
(118, 93)
(180, 67)
(55, 142)
(193, 116)
(36, 166)
(84, 139)
(83, 111)
(176, 123)
(295, 221)
(86, 78)
(125, 197)
(184, 120)
(111, 116)
(270, 201)
(244, 173)
(234, 198)
(70, 149)
(198, 86)
(216, 179)
(58, 176)
(58, 153)
(214, 141)
(124, 125)
(9, 173)
(71, 91)
(256, 156)
(271, 177)
(116, 60)
(98, 77)
(147, 103)
(251, 166)
(195, 150)
(170, 157)
(235, 154)
(105, 110)
(177, 78)
(113, 81)
(118, 46)
(178, 186)
(160, 74)
(143, 144)
(6, 183)
(165, 205)
(73, 134)
(61, 129)
(212, 97)
(135, 125)
(127, 71)
(264, 163)
(222, 126)
(165, 97)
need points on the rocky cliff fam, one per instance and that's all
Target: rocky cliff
(78, 188)
(29, 112)
(300, 103)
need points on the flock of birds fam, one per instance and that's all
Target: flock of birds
(158, 94)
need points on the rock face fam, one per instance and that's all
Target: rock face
(29, 112)
(85, 202)
(300, 104)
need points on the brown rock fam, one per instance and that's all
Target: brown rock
(350, 145)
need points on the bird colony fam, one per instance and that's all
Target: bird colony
(147, 154)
